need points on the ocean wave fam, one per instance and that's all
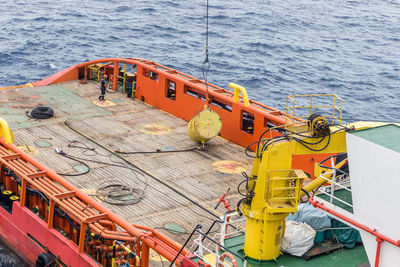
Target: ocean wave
(269, 47)
(123, 9)
(40, 19)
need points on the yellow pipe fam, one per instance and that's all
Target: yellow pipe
(113, 254)
(320, 180)
(236, 89)
(313, 185)
(16, 86)
(5, 131)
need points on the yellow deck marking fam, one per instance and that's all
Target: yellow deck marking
(106, 103)
(29, 149)
(229, 166)
(92, 192)
(210, 259)
(155, 129)
(154, 256)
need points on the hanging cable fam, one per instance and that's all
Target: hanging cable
(206, 59)
(206, 64)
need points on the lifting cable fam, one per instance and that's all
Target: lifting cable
(143, 171)
(206, 64)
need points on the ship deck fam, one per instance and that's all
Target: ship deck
(179, 187)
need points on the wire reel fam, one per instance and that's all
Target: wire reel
(318, 125)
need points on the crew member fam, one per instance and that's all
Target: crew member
(103, 87)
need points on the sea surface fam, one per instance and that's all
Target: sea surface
(272, 48)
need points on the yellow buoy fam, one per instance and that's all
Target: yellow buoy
(204, 126)
(6, 132)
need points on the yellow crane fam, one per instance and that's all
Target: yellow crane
(280, 167)
(274, 188)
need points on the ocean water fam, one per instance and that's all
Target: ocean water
(272, 48)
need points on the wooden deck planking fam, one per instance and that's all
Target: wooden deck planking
(189, 172)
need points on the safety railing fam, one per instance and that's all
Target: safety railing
(329, 106)
(339, 179)
(336, 179)
(96, 72)
(214, 250)
(231, 225)
(211, 250)
(283, 189)
(380, 238)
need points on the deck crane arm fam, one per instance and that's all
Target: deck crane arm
(275, 186)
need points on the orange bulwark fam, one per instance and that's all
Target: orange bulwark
(184, 96)
(70, 214)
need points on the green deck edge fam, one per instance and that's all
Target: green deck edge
(343, 258)
(387, 136)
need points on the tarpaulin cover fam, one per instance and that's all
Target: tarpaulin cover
(310, 215)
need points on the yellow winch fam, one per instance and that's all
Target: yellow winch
(204, 126)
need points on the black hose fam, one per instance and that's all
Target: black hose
(157, 151)
(117, 193)
(305, 192)
(312, 149)
(40, 113)
(79, 161)
(113, 192)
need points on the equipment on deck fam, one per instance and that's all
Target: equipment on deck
(40, 113)
(204, 126)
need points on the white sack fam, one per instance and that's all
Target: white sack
(298, 238)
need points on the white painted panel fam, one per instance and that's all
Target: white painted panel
(375, 182)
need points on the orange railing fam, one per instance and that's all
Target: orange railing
(81, 209)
